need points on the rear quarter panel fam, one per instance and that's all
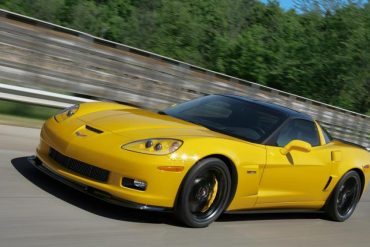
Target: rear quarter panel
(351, 157)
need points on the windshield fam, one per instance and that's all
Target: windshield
(232, 116)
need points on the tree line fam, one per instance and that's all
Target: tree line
(319, 50)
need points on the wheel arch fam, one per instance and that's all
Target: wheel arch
(331, 209)
(362, 178)
(233, 172)
(232, 169)
(361, 175)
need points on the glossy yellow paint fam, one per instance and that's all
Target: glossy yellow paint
(301, 146)
(266, 176)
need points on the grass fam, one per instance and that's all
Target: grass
(23, 114)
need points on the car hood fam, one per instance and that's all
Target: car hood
(141, 124)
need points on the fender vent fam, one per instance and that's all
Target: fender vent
(328, 183)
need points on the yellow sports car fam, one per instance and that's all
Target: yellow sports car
(203, 157)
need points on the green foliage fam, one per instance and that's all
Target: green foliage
(26, 110)
(320, 52)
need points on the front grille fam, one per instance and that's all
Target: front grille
(79, 167)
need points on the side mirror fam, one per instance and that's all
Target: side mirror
(296, 145)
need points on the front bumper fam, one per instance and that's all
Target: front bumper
(104, 151)
(102, 195)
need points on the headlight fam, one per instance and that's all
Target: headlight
(66, 113)
(157, 146)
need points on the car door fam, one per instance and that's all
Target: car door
(298, 177)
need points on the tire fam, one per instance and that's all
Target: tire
(345, 197)
(204, 193)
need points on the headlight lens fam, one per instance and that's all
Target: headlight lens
(66, 113)
(157, 146)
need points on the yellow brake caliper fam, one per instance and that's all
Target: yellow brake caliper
(211, 197)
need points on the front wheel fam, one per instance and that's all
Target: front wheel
(344, 198)
(204, 194)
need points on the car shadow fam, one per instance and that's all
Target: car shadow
(104, 209)
(86, 202)
(266, 215)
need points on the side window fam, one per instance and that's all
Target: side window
(298, 129)
(328, 138)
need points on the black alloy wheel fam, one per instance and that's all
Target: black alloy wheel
(345, 197)
(204, 194)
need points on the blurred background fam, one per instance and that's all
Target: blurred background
(310, 55)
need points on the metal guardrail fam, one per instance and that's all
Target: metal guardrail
(43, 98)
(38, 97)
(101, 41)
(54, 58)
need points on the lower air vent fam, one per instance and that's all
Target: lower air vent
(79, 167)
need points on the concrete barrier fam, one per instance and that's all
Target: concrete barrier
(38, 54)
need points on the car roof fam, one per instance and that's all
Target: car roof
(290, 113)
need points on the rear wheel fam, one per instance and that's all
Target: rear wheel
(345, 197)
(204, 194)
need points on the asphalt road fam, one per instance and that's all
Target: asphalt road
(38, 211)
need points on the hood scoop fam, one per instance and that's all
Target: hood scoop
(92, 129)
